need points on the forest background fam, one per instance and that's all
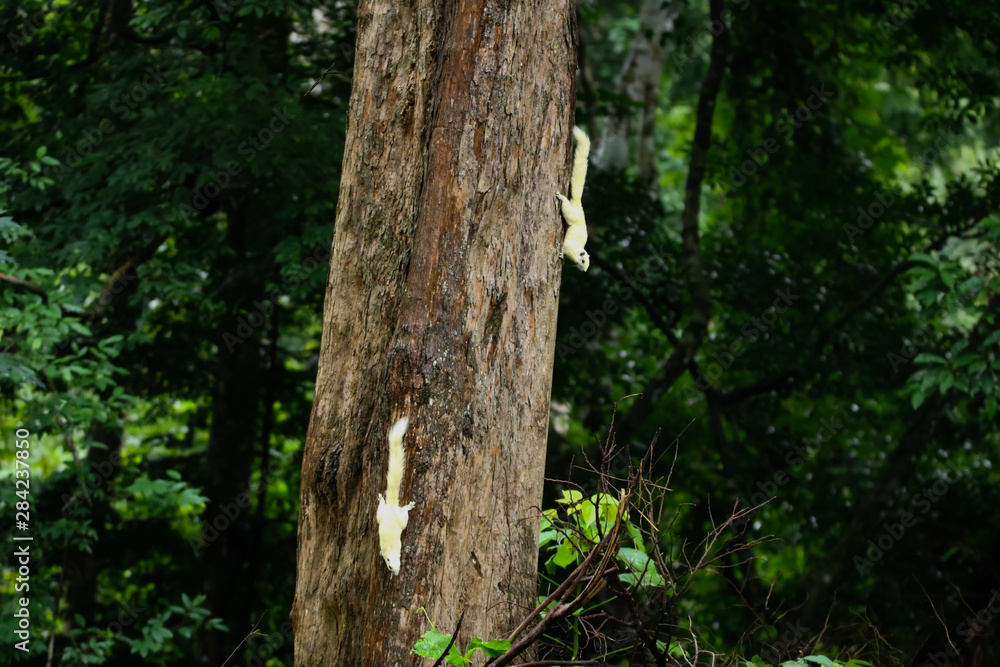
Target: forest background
(169, 176)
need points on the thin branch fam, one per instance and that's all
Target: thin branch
(697, 282)
(762, 386)
(25, 285)
(323, 76)
(454, 636)
(861, 303)
(652, 311)
(132, 262)
(604, 549)
(253, 631)
(793, 374)
(542, 663)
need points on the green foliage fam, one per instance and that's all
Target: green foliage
(951, 289)
(876, 212)
(433, 643)
(156, 636)
(143, 211)
(808, 661)
(589, 519)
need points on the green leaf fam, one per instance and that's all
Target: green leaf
(456, 658)
(676, 650)
(990, 340)
(966, 358)
(923, 257)
(432, 644)
(190, 497)
(143, 485)
(570, 497)
(821, 660)
(565, 554)
(547, 536)
(492, 648)
(865, 116)
(643, 568)
(990, 405)
(949, 279)
(927, 358)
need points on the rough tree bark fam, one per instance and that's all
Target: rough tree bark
(441, 305)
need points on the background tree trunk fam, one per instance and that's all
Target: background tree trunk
(441, 306)
(640, 80)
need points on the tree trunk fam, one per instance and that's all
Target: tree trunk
(229, 458)
(441, 306)
(640, 80)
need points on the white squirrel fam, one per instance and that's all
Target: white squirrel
(390, 516)
(572, 209)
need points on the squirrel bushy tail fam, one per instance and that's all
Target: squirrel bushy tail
(397, 461)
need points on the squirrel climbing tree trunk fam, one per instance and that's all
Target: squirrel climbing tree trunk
(440, 306)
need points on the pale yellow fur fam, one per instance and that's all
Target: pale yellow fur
(392, 518)
(572, 208)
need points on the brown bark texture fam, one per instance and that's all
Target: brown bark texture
(440, 306)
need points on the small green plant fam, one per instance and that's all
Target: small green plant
(590, 519)
(808, 661)
(433, 643)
